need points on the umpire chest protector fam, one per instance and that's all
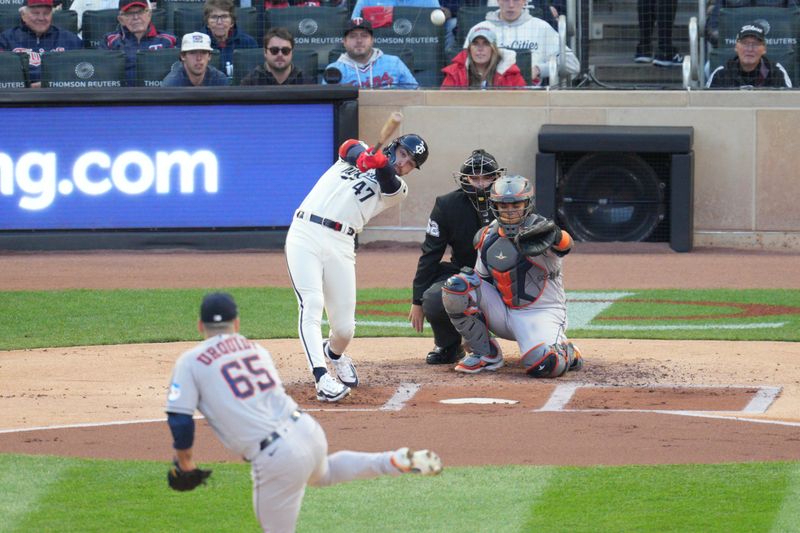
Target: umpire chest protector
(520, 280)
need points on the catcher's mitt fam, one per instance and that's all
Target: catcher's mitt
(536, 238)
(181, 480)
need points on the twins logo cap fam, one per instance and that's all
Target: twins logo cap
(196, 41)
(218, 307)
(358, 23)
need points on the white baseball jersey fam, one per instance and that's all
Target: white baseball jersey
(346, 195)
(234, 383)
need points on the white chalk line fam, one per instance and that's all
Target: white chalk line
(559, 398)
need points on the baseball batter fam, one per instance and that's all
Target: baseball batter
(516, 290)
(234, 383)
(320, 250)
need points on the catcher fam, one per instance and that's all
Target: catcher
(515, 290)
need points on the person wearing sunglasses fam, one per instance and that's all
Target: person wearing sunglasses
(277, 68)
(220, 20)
(750, 67)
(136, 32)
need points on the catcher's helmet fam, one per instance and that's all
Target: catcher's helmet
(414, 145)
(509, 190)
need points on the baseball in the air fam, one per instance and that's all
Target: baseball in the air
(437, 17)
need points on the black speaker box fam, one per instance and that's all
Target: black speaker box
(618, 183)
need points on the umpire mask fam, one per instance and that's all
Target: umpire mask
(476, 176)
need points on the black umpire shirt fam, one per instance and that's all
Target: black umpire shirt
(454, 221)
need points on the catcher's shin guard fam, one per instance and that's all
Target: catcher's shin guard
(548, 361)
(460, 295)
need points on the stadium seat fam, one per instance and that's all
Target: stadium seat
(784, 25)
(9, 16)
(169, 7)
(412, 28)
(13, 70)
(66, 20)
(152, 66)
(314, 28)
(246, 59)
(99, 22)
(186, 19)
(83, 68)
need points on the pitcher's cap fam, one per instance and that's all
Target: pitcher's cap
(218, 307)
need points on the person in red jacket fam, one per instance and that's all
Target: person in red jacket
(482, 64)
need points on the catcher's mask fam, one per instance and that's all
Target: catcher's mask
(414, 145)
(480, 164)
(511, 190)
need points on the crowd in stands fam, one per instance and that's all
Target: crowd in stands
(511, 46)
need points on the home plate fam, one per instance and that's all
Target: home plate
(459, 401)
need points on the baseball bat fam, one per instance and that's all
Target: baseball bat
(388, 129)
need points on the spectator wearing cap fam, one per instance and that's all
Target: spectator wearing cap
(367, 67)
(220, 19)
(136, 32)
(193, 69)
(482, 64)
(36, 35)
(277, 68)
(517, 29)
(750, 67)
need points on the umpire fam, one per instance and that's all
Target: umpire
(455, 219)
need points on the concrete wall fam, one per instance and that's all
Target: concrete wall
(746, 144)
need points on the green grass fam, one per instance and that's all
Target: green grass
(82, 317)
(40, 493)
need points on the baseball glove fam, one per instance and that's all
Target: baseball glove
(536, 238)
(182, 481)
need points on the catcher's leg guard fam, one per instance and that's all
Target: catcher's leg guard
(548, 361)
(461, 295)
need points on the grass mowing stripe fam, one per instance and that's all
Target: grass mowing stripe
(723, 498)
(24, 480)
(495, 499)
(788, 517)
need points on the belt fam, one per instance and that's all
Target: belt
(328, 223)
(275, 435)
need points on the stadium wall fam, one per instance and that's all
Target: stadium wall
(746, 182)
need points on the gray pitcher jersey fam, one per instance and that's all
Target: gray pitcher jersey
(345, 194)
(234, 383)
(521, 281)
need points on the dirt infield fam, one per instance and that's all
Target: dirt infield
(634, 402)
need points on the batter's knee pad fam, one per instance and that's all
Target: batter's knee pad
(546, 361)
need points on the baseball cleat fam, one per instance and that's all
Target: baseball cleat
(330, 390)
(445, 356)
(344, 367)
(472, 363)
(577, 360)
(423, 462)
